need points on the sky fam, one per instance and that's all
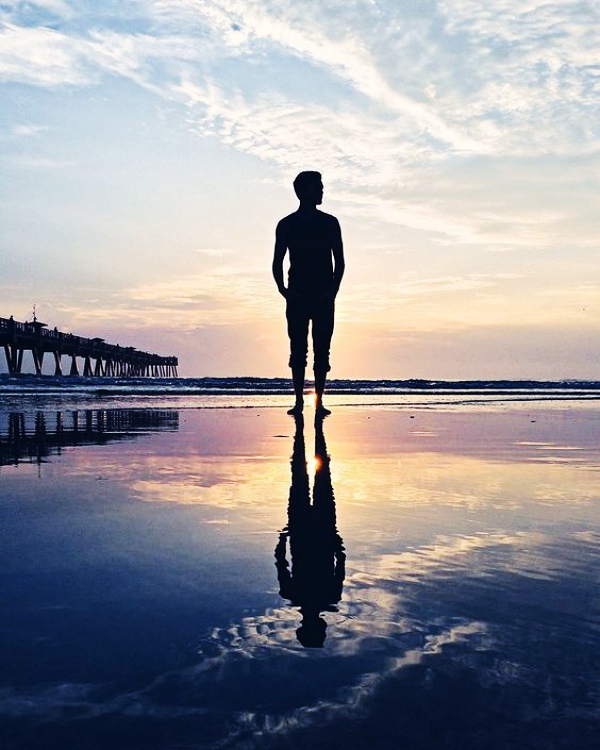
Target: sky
(148, 149)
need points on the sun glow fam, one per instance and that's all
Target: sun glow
(313, 465)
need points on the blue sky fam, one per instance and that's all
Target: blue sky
(148, 149)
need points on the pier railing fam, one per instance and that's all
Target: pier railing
(98, 358)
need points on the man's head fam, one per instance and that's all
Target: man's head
(308, 186)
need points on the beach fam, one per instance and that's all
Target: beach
(439, 555)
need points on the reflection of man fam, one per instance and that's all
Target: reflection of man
(314, 242)
(314, 582)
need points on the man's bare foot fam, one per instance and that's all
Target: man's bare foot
(296, 409)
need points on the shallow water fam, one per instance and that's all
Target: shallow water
(444, 581)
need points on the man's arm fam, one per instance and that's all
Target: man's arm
(278, 256)
(337, 248)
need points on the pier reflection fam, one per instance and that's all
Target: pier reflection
(33, 437)
(313, 581)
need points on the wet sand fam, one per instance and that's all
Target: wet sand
(157, 565)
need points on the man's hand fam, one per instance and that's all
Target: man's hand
(288, 293)
(329, 295)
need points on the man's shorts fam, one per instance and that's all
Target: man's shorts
(299, 312)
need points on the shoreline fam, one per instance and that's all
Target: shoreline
(250, 385)
(432, 402)
(74, 392)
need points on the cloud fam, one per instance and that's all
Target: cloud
(41, 162)
(340, 50)
(37, 8)
(47, 57)
(412, 287)
(189, 303)
(27, 130)
(533, 71)
(43, 56)
(212, 292)
(480, 101)
(214, 252)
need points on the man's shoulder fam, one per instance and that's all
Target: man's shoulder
(290, 217)
(285, 222)
(329, 218)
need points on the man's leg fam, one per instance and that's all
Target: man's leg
(298, 379)
(320, 378)
(297, 324)
(322, 332)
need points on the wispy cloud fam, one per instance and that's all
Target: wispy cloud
(44, 57)
(37, 9)
(27, 130)
(215, 252)
(41, 162)
(222, 296)
(339, 49)
(411, 286)
(212, 291)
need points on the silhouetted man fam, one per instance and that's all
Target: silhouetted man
(314, 242)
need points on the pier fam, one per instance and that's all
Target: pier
(88, 357)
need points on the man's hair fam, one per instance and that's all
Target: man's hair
(304, 180)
